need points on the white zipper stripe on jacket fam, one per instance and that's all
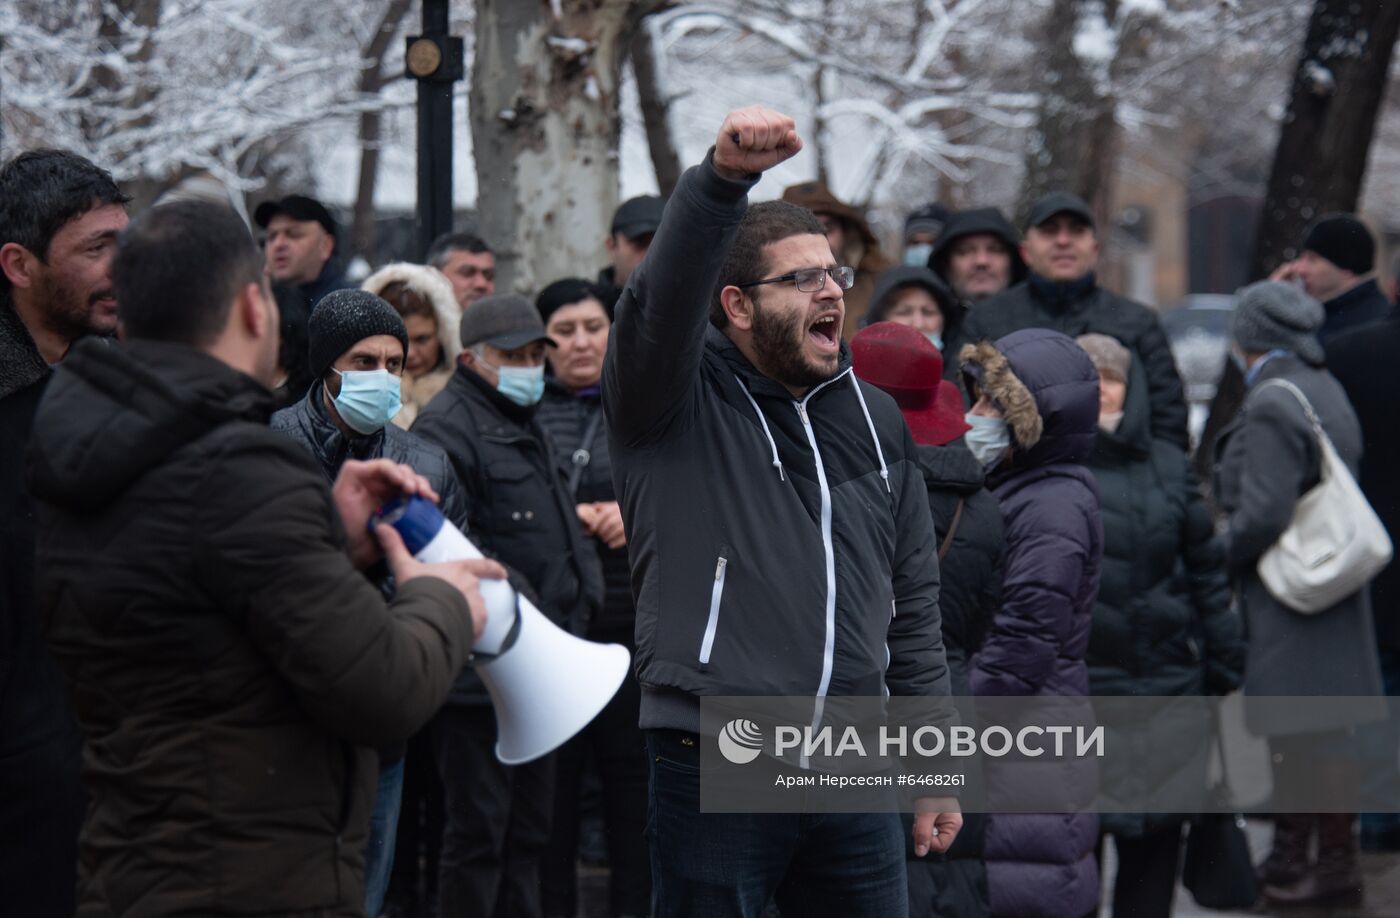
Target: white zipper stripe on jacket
(766, 432)
(829, 547)
(874, 437)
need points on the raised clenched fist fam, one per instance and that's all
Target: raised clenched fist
(754, 139)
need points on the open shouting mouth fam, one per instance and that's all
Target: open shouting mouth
(825, 331)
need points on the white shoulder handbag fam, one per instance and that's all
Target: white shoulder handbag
(1334, 544)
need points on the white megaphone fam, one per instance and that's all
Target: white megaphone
(545, 684)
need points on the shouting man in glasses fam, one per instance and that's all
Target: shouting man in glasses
(780, 537)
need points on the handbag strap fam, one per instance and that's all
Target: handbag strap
(952, 530)
(1302, 400)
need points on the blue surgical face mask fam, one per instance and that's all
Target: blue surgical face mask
(368, 399)
(989, 439)
(918, 253)
(522, 385)
(935, 339)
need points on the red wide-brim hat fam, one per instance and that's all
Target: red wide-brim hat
(905, 364)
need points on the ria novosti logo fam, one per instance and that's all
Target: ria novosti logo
(741, 741)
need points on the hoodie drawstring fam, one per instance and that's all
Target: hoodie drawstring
(777, 463)
(874, 437)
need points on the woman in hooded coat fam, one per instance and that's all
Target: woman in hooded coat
(968, 529)
(1034, 419)
(913, 295)
(1163, 625)
(423, 297)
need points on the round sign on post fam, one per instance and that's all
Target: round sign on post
(423, 58)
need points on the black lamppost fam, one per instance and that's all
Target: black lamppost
(434, 59)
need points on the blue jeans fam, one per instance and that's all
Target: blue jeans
(383, 829)
(723, 865)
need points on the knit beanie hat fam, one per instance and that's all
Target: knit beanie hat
(1110, 357)
(344, 317)
(1273, 315)
(1343, 240)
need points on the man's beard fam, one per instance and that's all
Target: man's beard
(66, 310)
(779, 342)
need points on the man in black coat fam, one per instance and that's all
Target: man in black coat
(358, 345)
(498, 817)
(59, 219)
(1337, 269)
(1062, 293)
(1361, 360)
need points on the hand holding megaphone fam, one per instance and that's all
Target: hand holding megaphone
(545, 684)
(466, 575)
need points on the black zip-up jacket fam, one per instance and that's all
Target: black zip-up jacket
(1082, 307)
(778, 546)
(518, 503)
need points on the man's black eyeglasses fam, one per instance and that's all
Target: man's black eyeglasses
(810, 280)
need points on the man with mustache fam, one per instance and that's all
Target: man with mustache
(778, 527)
(1061, 249)
(59, 219)
(300, 245)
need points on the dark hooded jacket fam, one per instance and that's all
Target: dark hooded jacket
(518, 503)
(1049, 394)
(899, 276)
(230, 668)
(1162, 623)
(771, 538)
(986, 220)
(41, 797)
(1080, 308)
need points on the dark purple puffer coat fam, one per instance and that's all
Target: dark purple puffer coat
(1043, 865)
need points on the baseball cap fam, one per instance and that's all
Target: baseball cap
(503, 320)
(638, 216)
(1060, 202)
(298, 207)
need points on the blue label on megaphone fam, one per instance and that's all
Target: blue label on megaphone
(417, 520)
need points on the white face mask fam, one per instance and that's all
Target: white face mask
(989, 439)
(935, 339)
(1109, 420)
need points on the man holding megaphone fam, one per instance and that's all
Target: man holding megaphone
(778, 522)
(231, 670)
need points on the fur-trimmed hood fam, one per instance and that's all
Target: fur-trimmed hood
(429, 283)
(1046, 388)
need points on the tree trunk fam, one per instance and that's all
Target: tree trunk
(113, 116)
(1327, 130)
(656, 113)
(1060, 143)
(544, 118)
(362, 228)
